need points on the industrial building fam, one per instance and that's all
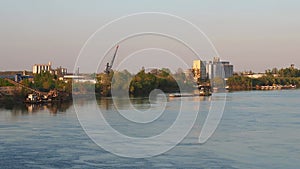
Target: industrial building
(39, 68)
(217, 68)
(212, 69)
(228, 69)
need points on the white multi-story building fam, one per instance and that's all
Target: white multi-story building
(218, 68)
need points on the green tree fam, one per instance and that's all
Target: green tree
(4, 82)
(44, 81)
(121, 82)
(143, 83)
(239, 83)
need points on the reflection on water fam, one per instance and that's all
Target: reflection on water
(53, 108)
(23, 109)
(139, 103)
(122, 103)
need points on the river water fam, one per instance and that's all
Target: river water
(259, 129)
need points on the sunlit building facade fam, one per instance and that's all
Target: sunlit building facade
(199, 70)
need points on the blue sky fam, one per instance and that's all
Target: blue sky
(253, 35)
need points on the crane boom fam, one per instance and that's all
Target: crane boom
(109, 66)
(112, 61)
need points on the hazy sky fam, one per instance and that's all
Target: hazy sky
(252, 35)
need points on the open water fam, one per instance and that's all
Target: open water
(259, 129)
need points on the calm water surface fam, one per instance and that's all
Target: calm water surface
(259, 129)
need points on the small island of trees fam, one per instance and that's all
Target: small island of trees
(143, 82)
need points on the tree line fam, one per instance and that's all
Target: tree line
(141, 84)
(285, 76)
(46, 81)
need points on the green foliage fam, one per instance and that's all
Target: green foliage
(167, 84)
(143, 83)
(164, 72)
(289, 72)
(103, 85)
(271, 80)
(44, 81)
(84, 88)
(186, 83)
(239, 83)
(26, 82)
(285, 76)
(268, 80)
(4, 82)
(121, 81)
(245, 83)
(63, 86)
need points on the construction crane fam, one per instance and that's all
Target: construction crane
(109, 66)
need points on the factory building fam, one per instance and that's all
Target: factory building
(39, 68)
(217, 68)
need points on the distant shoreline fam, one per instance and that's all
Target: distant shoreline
(16, 100)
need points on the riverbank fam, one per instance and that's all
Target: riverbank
(269, 82)
(17, 95)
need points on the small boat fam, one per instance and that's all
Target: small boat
(36, 98)
(204, 92)
(33, 98)
(181, 95)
